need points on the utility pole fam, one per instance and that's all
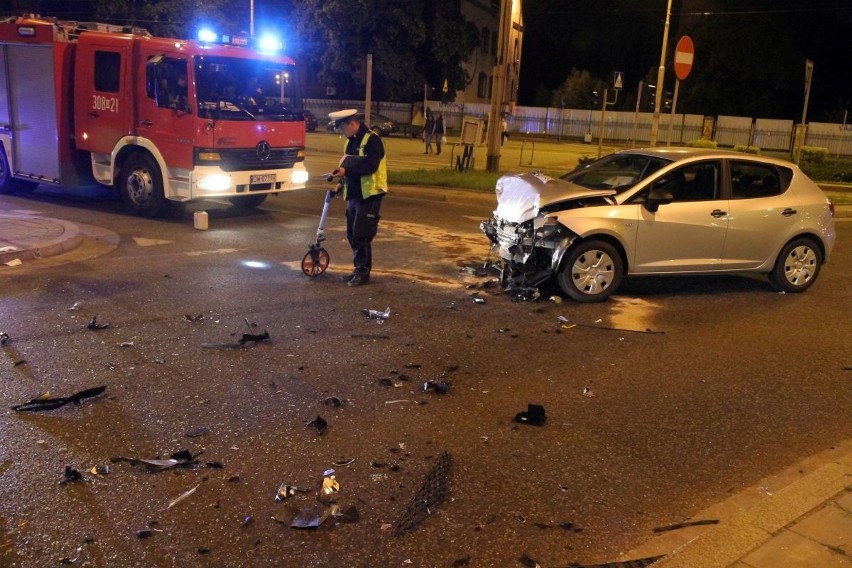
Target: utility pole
(498, 87)
(661, 73)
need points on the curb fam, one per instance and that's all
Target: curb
(68, 240)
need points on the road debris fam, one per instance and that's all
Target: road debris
(70, 475)
(686, 524)
(534, 415)
(4, 337)
(440, 387)
(183, 458)
(94, 325)
(377, 315)
(181, 497)
(319, 423)
(197, 432)
(434, 491)
(285, 491)
(45, 402)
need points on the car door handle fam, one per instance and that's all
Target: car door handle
(145, 122)
(718, 213)
(788, 212)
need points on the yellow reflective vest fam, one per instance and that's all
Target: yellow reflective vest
(373, 184)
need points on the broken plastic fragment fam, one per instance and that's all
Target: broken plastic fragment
(71, 475)
(182, 458)
(478, 300)
(534, 415)
(182, 496)
(344, 462)
(44, 402)
(94, 325)
(330, 485)
(440, 387)
(76, 307)
(4, 337)
(99, 470)
(376, 314)
(319, 423)
(310, 518)
(197, 432)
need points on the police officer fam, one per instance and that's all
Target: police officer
(364, 183)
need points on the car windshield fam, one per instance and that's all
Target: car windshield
(617, 171)
(230, 88)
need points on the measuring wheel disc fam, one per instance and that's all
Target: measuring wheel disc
(315, 262)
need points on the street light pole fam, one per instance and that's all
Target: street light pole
(661, 72)
(251, 18)
(498, 87)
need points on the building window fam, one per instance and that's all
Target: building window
(494, 43)
(486, 40)
(482, 86)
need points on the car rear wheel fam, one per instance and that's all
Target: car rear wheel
(797, 266)
(248, 201)
(591, 271)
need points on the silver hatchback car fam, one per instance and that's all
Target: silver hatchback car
(658, 212)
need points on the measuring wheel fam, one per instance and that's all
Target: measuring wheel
(315, 262)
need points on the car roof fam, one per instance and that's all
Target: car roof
(679, 153)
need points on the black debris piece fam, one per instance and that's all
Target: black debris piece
(197, 432)
(71, 475)
(45, 403)
(94, 325)
(144, 533)
(686, 524)
(638, 563)
(192, 319)
(334, 401)
(183, 458)
(319, 423)
(348, 515)
(524, 294)
(433, 492)
(534, 415)
(4, 337)
(247, 337)
(525, 560)
(463, 561)
(440, 387)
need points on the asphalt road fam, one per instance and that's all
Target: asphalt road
(661, 401)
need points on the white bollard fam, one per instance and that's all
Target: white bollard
(201, 220)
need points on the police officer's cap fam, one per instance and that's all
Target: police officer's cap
(340, 117)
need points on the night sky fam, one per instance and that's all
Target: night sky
(749, 54)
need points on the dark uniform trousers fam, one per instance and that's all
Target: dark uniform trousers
(362, 222)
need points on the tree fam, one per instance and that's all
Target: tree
(412, 43)
(579, 90)
(171, 18)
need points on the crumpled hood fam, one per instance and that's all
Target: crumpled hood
(520, 196)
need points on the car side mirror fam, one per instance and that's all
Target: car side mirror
(657, 197)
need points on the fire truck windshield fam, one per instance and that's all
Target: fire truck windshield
(230, 88)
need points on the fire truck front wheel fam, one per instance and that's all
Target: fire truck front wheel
(142, 186)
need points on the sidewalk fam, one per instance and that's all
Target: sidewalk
(25, 236)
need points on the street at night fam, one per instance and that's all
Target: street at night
(672, 396)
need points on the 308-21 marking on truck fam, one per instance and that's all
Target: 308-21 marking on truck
(109, 104)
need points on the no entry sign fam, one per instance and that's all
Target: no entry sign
(684, 54)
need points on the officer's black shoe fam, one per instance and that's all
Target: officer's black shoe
(358, 280)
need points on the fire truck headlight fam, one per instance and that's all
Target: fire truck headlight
(214, 182)
(299, 176)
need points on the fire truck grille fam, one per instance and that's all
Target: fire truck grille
(248, 159)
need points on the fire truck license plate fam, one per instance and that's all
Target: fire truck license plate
(262, 178)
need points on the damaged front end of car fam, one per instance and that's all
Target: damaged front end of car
(525, 231)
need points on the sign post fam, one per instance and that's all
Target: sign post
(683, 57)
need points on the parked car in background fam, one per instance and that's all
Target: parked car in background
(661, 211)
(310, 121)
(379, 123)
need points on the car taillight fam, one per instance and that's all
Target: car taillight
(830, 207)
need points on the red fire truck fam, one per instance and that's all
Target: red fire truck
(163, 121)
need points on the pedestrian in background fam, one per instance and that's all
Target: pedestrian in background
(504, 130)
(364, 176)
(428, 130)
(440, 131)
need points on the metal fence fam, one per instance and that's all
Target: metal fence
(620, 127)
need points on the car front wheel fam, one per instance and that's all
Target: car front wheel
(797, 266)
(591, 271)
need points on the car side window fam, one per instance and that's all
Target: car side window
(750, 180)
(693, 182)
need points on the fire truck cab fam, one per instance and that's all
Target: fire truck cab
(163, 121)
